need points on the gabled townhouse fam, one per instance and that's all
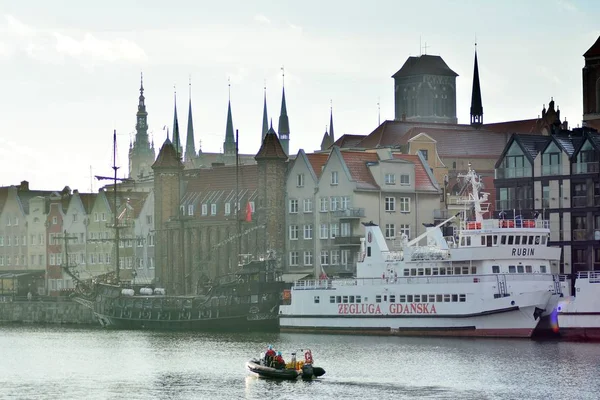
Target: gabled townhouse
(329, 195)
(101, 235)
(76, 222)
(57, 279)
(144, 239)
(558, 178)
(36, 232)
(12, 230)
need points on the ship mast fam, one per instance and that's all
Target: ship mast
(116, 214)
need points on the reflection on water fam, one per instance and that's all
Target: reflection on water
(65, 363)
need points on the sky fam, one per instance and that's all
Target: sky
(70, 70)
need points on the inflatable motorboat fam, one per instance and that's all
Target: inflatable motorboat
(268, 368)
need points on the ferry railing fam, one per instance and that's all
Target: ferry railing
(419, 280)
(591, 276)
(505, 223)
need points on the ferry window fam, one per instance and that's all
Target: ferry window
(542, 269)
(369, 251)
(495, 269)
(495, 240)
(338, 299)
(409, 298)
(473, 270)
(332, 299)
(378, 298)
(520, 269)
(528, 269)
(465, 270)
(512, 269)
(420, 271)
(423, 298)
(483, 240)
(462, 241)
(431, 298)
(358, 299)
(543, 239)
(503, 239)
(468, 240)
(442, 271)
(417, 298)
(413, 271)
(434, 271)
(438, 298)
(406, 272)
(462, 298)
(456, 270)
(510, 239)
(449, 271)
(518, 240)
(392, 298)
(427, 271)
(316, 299)
(530, 239)
(344, 299)
(537, 240)
(385, 298)
(454, 298)
(402, 298)
(446, 298)
(489, 241)
(351, 299)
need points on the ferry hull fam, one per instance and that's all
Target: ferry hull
(584, 326)
(517, 322)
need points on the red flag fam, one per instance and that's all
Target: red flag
(248, 212)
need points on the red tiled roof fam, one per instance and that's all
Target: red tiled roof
(317, 161)
(222, 178)
(167, 157)
(532, 126)
(271, 147)
(349, 141)
(423, 181)
(593, 51)
(356, 162)
(388, 132)
(476, 143)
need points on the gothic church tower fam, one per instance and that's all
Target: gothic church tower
(141, 153)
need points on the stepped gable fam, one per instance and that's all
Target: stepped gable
(356, 162)
(593, 51)
(424, 65)
(423, 180)
(271, 147)
(167, 157)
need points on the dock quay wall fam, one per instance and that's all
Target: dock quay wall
(44, 311)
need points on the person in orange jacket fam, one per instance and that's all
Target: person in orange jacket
(269, 355)
(279, 362)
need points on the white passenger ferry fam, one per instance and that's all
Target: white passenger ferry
(579, 315)
(494, 280)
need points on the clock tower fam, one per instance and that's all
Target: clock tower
(141, 152)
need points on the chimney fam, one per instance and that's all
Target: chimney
(24, 185)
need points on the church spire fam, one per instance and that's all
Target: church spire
(331, 123)
(476, 104)
(284, 123)
(265, 122)
(141, 153)
(176, 139)
(229, 144)
(190, 147)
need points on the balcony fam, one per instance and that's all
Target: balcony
(597, 201)
(347, 241)
(579, 201)
(586, 167)
(349, 213)
(579, 234)
(514, 204)
(509, 173)
(551, 169)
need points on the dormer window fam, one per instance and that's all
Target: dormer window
(405, 179)
(190, 209)
(390, 179)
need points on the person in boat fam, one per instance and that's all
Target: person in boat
(279, 363)
(269, 355)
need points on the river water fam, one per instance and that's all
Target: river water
(40, 362)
